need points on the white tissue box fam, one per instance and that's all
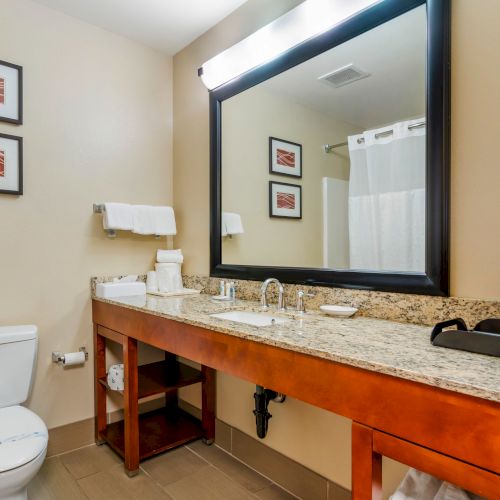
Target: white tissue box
(110, 290)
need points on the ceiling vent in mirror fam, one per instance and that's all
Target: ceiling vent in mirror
(343, 76)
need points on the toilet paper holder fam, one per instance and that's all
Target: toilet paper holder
(60, 357)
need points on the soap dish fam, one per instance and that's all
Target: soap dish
(338, 311)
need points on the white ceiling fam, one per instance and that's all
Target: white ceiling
(395, 56)
(166, 25)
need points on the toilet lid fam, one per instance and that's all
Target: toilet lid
(23, 436)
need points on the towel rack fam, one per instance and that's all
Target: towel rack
(99, 208)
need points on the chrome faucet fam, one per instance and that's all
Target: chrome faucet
(281, 294)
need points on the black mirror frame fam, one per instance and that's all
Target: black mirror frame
(435, 281)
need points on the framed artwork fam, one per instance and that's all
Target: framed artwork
(285, 200)
(11, 164)
(285, 157)
(11, 93)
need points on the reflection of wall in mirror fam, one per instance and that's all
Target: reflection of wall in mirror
(248, 120)
(335, 223)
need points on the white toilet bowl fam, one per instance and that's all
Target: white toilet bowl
(23, 446)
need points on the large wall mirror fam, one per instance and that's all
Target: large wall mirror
(330, 164)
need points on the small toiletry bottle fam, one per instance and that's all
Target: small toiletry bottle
(228, 289)
(232, 290)
(222, 288)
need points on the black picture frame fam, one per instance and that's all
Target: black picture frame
(271, 162)
(271, 213)
(435, 279)
(19, 119)
(19, 140)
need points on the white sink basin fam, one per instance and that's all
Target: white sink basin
(251, 318)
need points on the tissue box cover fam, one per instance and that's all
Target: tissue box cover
(110, 290)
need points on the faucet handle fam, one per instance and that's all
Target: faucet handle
(301, 307)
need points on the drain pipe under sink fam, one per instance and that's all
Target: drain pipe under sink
(262, 397)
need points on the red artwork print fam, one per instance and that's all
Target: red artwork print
(285, 158)
(285, 200)
(2, 163)
(2, 91)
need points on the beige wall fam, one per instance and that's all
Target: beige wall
(245, 177)
(97, 127)
(311, 436)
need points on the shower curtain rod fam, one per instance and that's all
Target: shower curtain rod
(328, 147)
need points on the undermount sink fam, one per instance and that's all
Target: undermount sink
(251, 318)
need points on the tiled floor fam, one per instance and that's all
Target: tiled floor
(192, 472)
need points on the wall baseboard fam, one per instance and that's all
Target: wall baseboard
(285, 472)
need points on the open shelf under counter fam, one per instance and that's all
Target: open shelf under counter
(159, 430)
(161, 377)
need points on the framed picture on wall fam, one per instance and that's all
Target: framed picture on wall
(285, 157)
(285, 200)
(11, 164)
(11, 90)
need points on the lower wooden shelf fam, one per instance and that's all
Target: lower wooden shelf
(159, 430)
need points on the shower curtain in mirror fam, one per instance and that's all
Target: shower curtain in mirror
(387, 199)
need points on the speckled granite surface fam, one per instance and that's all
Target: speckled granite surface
(399, 349)
(418, 309)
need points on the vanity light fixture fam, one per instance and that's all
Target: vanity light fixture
(305, 21)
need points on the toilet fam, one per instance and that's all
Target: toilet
(23, 434)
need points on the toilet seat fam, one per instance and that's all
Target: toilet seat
(23, 437)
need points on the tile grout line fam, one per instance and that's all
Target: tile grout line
(163, 488)
(248, 466)
(71, 451)
(222, 472)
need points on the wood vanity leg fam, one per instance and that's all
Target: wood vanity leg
(208, 404)
(172, 368)
(366, 465)
(99, 389)
(131, 407)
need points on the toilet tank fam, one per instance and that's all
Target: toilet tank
(18, 348)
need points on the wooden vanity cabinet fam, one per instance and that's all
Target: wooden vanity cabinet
(142, 435)
(448, 434)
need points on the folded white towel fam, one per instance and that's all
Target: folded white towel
(118, 216)
(173, 256)
(153, 220)
(231, 224)
(169, 277)
(418, 485)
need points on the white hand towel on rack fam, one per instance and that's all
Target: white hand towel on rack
(164, 220)
(172, 256)
(118, 216)
(159, 221)
(144, 219)
(231, 224)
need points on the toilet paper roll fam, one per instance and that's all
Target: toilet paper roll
(116, 378)
(74, 358)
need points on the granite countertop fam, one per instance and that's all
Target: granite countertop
(398, 349)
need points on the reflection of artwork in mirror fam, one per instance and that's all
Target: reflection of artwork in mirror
(285, 157)
(364, 144)
(285, 200)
